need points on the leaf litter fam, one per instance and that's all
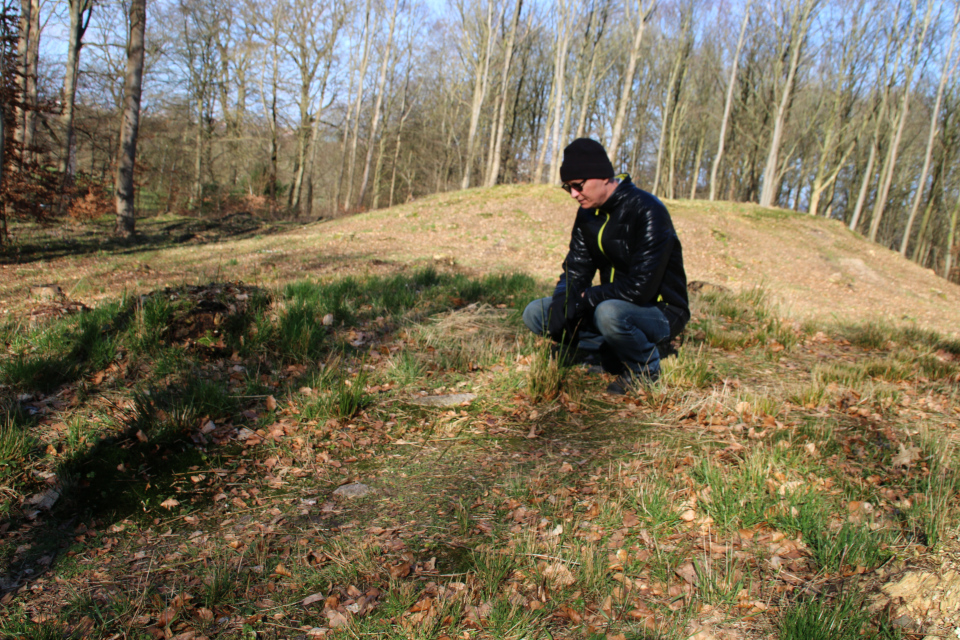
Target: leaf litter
(605, 522)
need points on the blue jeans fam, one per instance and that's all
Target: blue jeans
(631, 332)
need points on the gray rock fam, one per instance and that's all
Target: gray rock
(353, 490)
(452, 400)
(47, 292)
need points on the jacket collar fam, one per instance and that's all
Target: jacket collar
(619, 194)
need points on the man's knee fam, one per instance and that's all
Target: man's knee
(608, 316)
(536, 314)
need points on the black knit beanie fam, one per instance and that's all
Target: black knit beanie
(585, 158)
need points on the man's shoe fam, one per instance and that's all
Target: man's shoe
(629, 380)
(609, 360)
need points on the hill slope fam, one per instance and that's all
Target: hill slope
(813, 267)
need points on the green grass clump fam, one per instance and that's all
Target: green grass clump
(62, 351)
(843, 618)
(546, 375)
(736, 321)
(852, 544)
(16, 442)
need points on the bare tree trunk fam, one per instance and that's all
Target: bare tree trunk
(560, 75)
(381, 86)
(951, 238)
(493, 170)
(404, 112)
(196, 193)
(481, 78)
(728, 104)
(864, 184)
(886, 175)
(949, 67)
(129, 129)
(799, 26)
(80, 12)
(696, 164)
(642, 17)
(669, 129)
(588, 85)
(364, 59)
(28, 52)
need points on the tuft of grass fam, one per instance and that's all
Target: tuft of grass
(546, 375)
(850, 544)
(735, 497)
(842, 618)
(871, 335)
(338, 395)
(656, 508)
(688, 369)
(934, 514)
(219, 585)
(15, 443)
(719, 583)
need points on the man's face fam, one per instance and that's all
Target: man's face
(590, 193)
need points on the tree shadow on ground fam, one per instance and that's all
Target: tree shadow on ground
(34, 242)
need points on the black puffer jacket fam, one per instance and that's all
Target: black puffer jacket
(631, 241)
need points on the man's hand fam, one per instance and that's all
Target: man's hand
(566, 312)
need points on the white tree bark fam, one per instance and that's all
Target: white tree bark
(493, 171)
(364, 59)
(886, 176)
(728, 103)
(643, 14)
(381, 86)
(800, 22)
(481, 80)
(949, 68)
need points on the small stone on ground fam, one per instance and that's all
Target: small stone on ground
(352, 490)
(452, 400)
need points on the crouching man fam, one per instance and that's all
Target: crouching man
(640, 304)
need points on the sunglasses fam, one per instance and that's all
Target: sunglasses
(574, 186)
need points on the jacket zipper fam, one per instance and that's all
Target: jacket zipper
(600, 242)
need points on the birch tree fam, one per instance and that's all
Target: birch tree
(799, 22)
(949, 68)
(481, 40)
(381, 88)
(493, 168)
(728, 102)
(918, 36)
(639, 19)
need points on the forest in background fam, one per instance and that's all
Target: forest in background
(300, 109)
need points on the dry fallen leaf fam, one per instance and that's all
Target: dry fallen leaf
(688, 572)
(309, 600)
(906, 457)
(271, 403)
(336, 619)
(282, 571)
(559, 575)
(401, 570)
